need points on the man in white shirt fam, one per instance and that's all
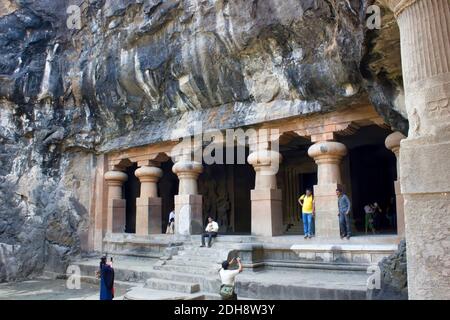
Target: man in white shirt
(227, 277)
(210, 232)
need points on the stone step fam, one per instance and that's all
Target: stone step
(181, 277)
(187, 269)
(225, 239)
(306, 284)
(193, 263)
(209, 252)
(128, 270)
(204, 257)
(299, 265)
(152, 294)
(198, 259)
(170, 285)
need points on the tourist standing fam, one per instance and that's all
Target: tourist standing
(106, 273)
(227, 278)
(369, 211)
(210, 232)
(344, 213)
(308, 210)
(171, 224)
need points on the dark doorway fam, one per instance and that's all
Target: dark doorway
(307, 181)
(132, 189)
(226, 194)
(244, 182)
(297, 172)
(167, 189)
(373, 171)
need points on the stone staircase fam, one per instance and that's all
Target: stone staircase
(192, 272)
(294, 229)
(287, 268)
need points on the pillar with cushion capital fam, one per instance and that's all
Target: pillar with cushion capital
(392, 142)
(116, 203)
(148, 205)
(266, 209)
(188, 203)
(328, 156)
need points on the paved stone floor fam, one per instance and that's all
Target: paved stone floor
(49, 289)
(309, 278)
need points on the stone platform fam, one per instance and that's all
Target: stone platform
(285, 267)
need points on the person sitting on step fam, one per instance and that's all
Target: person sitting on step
(210, 232)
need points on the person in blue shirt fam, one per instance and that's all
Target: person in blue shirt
(344, 213)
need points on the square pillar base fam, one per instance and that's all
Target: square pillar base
(116, 215)
(267, 214)
(326, 204)
(148, 216)
(188, 214)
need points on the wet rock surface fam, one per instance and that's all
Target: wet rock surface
(133, 69)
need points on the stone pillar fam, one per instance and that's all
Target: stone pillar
(424, 155)
(267, 213)
(148, 205)
(393, 143)
(188, 203)
(328, 156)
(116, 204)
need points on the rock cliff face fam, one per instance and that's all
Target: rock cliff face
(124, 72)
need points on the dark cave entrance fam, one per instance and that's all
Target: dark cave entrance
(297, 173)
(132, 189)
(373, 170)
(167, 189)
(226, 193)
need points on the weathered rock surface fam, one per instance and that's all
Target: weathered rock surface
(394, 279)
(134, 69)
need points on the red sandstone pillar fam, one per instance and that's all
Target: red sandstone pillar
(148, 205)
(116, 204)
(328, 156)
(267, 214)
(188, 203)
(393, 143)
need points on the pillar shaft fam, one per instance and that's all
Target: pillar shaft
(188, 183)
(424, 155)
(328, 156)
(393, 143)
(148, 205)
(188, 203)
(149, 188)
(116, 204)
(266, 208)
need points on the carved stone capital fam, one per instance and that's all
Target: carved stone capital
(392, 142)
(327, 151)
(398, 6)
(148, 174)
(115, 177)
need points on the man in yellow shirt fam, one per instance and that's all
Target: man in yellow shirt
(308, 210)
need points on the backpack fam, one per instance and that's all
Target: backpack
(226, 291)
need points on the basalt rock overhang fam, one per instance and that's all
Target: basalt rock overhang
(228, 116)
